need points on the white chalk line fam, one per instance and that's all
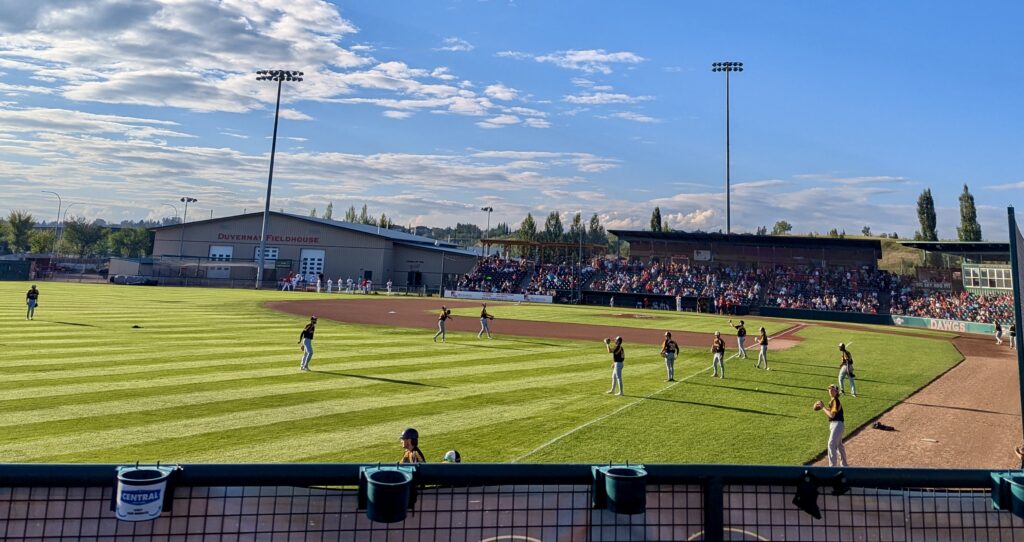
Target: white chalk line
(639, 400)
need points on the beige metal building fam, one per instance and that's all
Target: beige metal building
(227, 249)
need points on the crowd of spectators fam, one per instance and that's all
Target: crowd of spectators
(964, 306)
(807, 287)
(548, 278)
(727, 286)
(496, 275)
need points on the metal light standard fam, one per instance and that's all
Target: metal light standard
(727, 67)
(181, 238)
(57, 225)
(489, 210)
(175, 210)
(280, 76)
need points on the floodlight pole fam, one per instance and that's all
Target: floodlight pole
(56, 225)
(280, 76)
(727, 67)
(489, 210)
(181, 236)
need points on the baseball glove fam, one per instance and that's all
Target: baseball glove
(607, 340)
(818, 405)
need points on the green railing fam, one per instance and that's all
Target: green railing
(514, 502)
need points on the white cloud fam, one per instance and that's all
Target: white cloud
(442, 74)
(455, 44)
(635, 117)
(536, 123)
(1008, 186)
(499, 121)
(514, 54)
(293, 114)
(391, 114)
(230, 134)
(590, 60)
(600, 98)
(501, 92)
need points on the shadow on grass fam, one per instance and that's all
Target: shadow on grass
(474, 345)
(768, 392)
(379, 379)
(720, 407)
(75, 324)
(525, 341)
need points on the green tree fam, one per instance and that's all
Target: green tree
(83, 237)
(17, 230)
(656, 219)
(384, 221)
(130, 242)
(833, 233)
(527, 232)
(577, 231)
(969, 229)
(596, 232)
(926, 216)
(782, 228)
(312, 212)
(762, 230)
(41, 241)
(350, 214)
(365, 218)
(553, 232)
(329, 212)
(866, 231)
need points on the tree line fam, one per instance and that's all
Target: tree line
(78, 236)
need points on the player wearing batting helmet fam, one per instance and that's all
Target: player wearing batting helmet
(410, 439)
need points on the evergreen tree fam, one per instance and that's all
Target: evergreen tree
(969, 229)
(384, 221)
(762, 230)
(656, 219)
(596, 233)
(365, 218)
(926, 216)
(527, 232)
(350, 214)
(130, 242)
(866, 231)
(312, 212)
(329, 212)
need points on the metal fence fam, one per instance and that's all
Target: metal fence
(475, 502)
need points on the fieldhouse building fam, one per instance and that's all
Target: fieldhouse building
(226, 250)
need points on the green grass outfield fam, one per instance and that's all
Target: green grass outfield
(210, 376)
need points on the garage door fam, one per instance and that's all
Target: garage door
(219, 254)
(311, 260)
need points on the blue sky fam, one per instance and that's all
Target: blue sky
(428, 111)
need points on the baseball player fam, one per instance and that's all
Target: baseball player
(1013, 335)
(330, 285)
(762, 342)
(452, 456)
(389, 286)
(485, 323)
(306, 340)
(446, 313)
(32, 301)
(999, 333)
(669, 351)
(741, 338)
(618, 358)
(411, 453)
(846, 370)
(718, 358)
(834, 413)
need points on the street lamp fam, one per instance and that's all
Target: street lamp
(727, 67)
(175, 210)
(280, 76)
(181, 237)
(57, 225)
(489, 210)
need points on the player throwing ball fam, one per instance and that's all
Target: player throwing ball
(846, 370)
(618, 358)
(762, 355)
(445, 315)
(741, 338)
(836, 426)
(718, 355)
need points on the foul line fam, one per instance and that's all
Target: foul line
(637, 401)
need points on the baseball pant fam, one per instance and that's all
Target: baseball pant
(844, 372)
(307, 353)
(999, 337)
(743, 351)
(836, 449)
(762, 356)
(670, 366)
(440, 330)
(485, 327)
(616, 377)
(717, 363)
(31, 313)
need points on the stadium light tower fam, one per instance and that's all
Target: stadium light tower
(727, 67)
(56, 225)
(280, 76)
(181, 237)
(489, 210)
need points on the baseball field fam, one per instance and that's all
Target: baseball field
(121, 374)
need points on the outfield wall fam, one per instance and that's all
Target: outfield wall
(497, 296)
(830, 316)
(944, 325)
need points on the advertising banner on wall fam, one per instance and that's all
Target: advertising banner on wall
(493, 296)
(943, 325)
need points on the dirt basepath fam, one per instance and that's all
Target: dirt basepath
(967, 418)
(422, 313)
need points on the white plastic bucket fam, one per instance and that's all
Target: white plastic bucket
(140, 493)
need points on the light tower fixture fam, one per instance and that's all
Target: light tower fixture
(727, 67)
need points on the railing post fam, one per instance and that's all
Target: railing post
(714, 501)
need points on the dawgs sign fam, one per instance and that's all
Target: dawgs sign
(944, 325)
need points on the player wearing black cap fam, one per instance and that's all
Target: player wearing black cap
(306, 340)
(410, 440)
